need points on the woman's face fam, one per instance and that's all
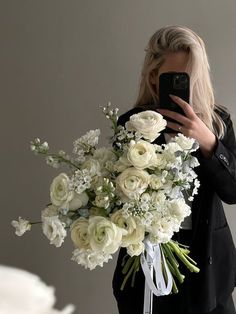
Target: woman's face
(174, 62)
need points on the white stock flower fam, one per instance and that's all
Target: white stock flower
(21, 226)
(60, 192)
(135, 249)
(104, 235)
(131, 183)
(89, 258)
(53, 229)
(141, 154)
(149, 123)
(79, 233)
(135, 231)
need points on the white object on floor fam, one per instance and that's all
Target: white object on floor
(22, 292)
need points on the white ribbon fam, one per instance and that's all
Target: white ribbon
(151, 265)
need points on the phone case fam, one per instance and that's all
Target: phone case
(175, 83)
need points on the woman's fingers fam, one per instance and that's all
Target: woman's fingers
(188, 110)
(174, 115)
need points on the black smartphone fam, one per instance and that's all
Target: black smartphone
(175, 83)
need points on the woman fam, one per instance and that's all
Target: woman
(177, 48)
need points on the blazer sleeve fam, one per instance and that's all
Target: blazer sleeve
(220, 169)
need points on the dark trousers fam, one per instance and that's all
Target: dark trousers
(130, 300)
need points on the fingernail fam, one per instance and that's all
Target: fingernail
(173, 96)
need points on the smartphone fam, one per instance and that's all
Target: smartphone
(175, 83)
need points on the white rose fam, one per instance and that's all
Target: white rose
(104, 235)
(149, 123)
(89, 258)
(79, 233)
(141, 154)
(131, 183)
(135, 231)
(93, 166)
(21, 226)
(60, 192)
(186, 143)
(54, 230)
(135, 249)
(78, 201)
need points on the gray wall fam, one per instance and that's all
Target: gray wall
(60, 60)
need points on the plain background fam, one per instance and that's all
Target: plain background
(60, 60)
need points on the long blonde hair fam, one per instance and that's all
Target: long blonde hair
(174, 38)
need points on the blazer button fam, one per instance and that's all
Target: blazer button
(224, 158)
(210, 260)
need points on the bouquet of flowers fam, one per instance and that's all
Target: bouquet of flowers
(128, 195)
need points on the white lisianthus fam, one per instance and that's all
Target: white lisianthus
(121, 164)
(60, 192)
(93, 167)
(158, 197)
(90, 259)
(49, 211)
(161, 230)
(186, 143)
(21, 226)
(149, 123)
(131, 183)
(79, 233)
(78, 201)
(135, 249)
(105, 157)
(141, 154)
(178, 209)
(135, 231)
(104, 235)
(54, 229)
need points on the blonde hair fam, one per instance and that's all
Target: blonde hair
(174, 38)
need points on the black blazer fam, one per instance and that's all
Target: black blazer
(212, 245)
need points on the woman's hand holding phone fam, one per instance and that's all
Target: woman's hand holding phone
(191, 126)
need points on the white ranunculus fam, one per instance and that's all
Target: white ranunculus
(135, 249)
(149, 123)
(89, 258)
(141, 154)
(79, 233)
(156, 182)
(104, 235)
(135, 231)
(60, 192)
(78, 201)
(131, 183)
(93, 166)
(158, 197)
(160, 161)
(178, 209)
(186, 143)
(21, 226)
(54, 230)
(102, 201)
